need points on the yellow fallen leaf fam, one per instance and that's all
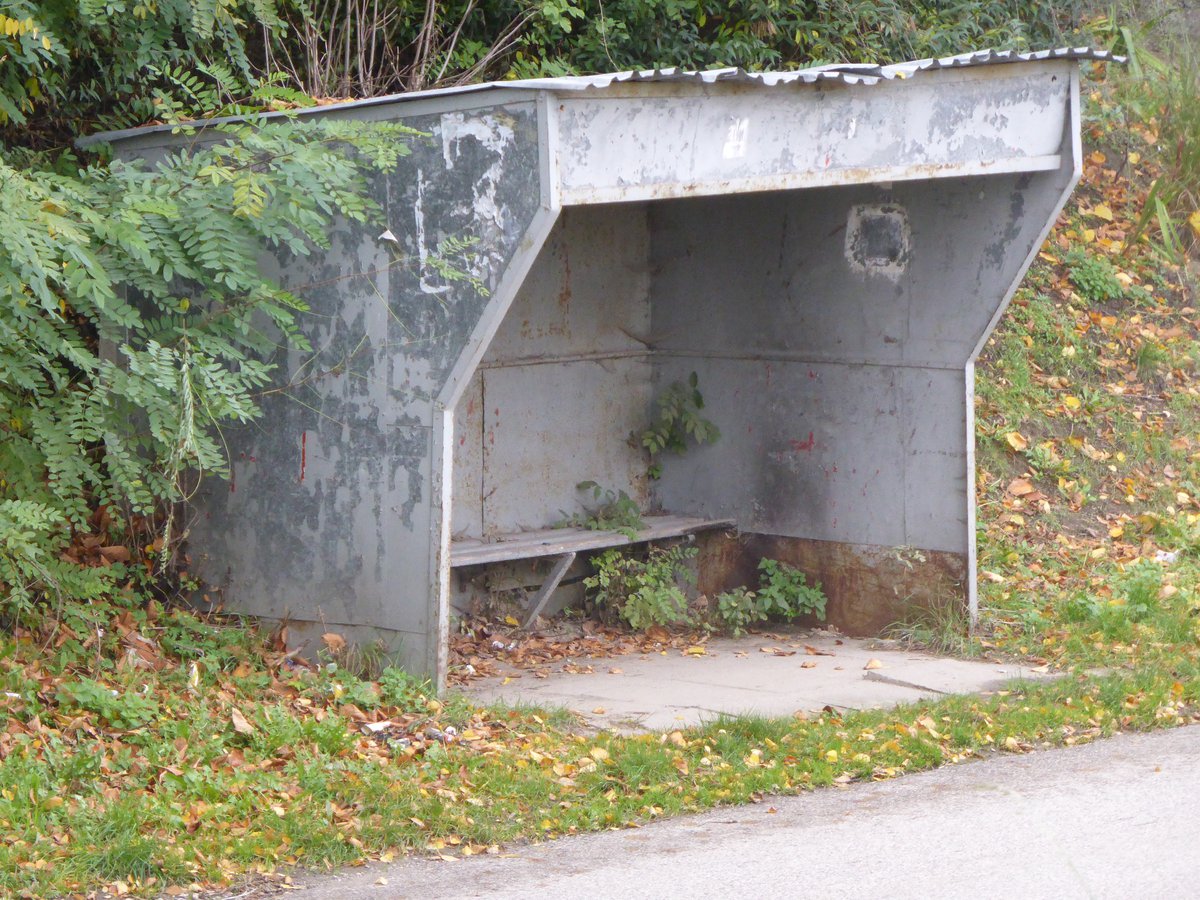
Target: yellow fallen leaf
(1017, 441)
(1103, 211)
(695, 650)
(598, 753)
(509, 620)
(1072, 402)
(1135, 158)
(1194, 221)
(873, 664)
(831, 756)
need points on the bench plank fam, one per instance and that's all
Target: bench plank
(559, 541)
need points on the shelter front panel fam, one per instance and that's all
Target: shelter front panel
(670, 140)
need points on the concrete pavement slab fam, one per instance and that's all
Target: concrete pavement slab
(766, 674)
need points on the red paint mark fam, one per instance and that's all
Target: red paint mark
(303, 453)
(803, 446)
(462, 440)
(812, 374)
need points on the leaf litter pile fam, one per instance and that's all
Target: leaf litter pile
(163, 752)
(484, 648)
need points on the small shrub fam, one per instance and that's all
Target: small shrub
(680, 423)
(783, 593)
(644, 592)
(737, 609)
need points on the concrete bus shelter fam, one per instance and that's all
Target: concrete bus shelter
(827, 249)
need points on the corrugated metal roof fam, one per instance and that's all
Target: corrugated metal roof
(845, 73)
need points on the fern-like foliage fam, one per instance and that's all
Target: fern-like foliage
(131, 303)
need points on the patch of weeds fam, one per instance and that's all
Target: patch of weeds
(119, 708)
(609, 511)
(117, 842)
(940, 626)
(406, 691)
(1094, 277)
(644, 591)
(783, 593)
(1151, 359)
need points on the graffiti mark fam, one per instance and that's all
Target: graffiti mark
(303, 454)
(805, 445)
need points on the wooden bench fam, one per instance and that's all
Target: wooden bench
(566, 544)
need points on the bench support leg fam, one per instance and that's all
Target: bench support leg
(543, 595)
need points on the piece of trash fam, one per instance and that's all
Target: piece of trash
(497, 645)
(381, 880)
(873, 664)
(388, 236)
(1165, 556)
(376, 727)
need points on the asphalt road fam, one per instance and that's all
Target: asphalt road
(1119, 818)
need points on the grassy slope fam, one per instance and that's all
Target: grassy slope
(205, 754)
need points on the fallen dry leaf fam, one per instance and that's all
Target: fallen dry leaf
(333, 642)
(873, 664)
(1019, 487)
(240, 725)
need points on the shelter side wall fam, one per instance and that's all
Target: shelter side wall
(333, 514)
(564, 383)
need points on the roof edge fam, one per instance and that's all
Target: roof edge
(846, 73)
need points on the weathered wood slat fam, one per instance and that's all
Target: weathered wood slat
(559, 541)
